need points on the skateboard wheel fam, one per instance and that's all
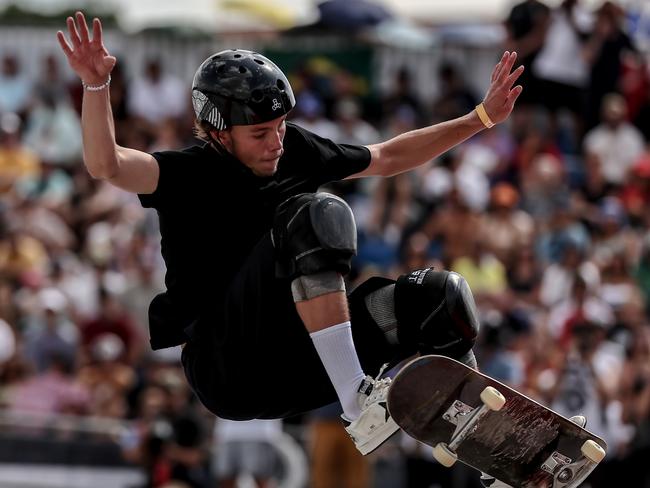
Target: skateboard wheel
(493, 398)
(444, 455)
(593, 451)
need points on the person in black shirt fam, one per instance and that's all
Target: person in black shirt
(526, 26)
(256, 255)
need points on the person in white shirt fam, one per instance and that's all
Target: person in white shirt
(615, 144)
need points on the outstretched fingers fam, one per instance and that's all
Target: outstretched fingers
(514, 76)
(97, 32)
(507, 66)
(74, 35)
(497, 69)
(83, 27)
(512, 96)
(63, 42)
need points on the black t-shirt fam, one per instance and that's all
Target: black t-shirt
(523, 19)
(213, 210)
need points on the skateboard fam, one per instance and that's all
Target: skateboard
(468, 416)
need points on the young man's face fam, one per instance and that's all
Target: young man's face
(258, 146)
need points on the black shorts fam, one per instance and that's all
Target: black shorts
(255, 359)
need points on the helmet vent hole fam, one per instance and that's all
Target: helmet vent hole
(237, 56)
(259, 61)
(280, 85)
(257, 95)
(216, 56)
(242, 69)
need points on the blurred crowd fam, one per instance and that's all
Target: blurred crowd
(546, 216)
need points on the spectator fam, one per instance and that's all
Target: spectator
(614, 144)
(483, 271)
(580, 388)
(333, 463)
(22, 256)
(604, 52)
(403, 96)
(504, 228)
(50, 332)
(18, 163)
(310, 113)
(15, 86)
(111, 319)
(54, 131)
(51, 392)
(454, 98)
(156, 96)
(352, 128)
(635, 397)
(108, 378)
(451, 224)
(52, 85)
(561, 66)
(526, 27)
(243, 448)
(524, 273)
(635, 195)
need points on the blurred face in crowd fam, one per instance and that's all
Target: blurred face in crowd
(10, 66)
(257, 146)
(587, 338)
(614, 109)
(153, 71)
(153, 402)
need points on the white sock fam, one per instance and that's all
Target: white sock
(336, 350)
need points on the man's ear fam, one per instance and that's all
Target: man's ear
(223, 137)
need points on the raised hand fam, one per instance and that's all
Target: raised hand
(501, 96)
(87, 57)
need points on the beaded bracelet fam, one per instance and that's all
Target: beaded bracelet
(483, 115)
(96, 87)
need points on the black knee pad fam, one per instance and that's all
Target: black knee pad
(313, 232)
(436, 311)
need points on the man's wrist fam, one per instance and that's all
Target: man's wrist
(483, 116)
(92, 87)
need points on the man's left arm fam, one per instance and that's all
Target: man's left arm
(411, 149)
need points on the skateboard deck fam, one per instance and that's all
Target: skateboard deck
(451, 407)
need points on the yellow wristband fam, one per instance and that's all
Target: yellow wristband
(482, 114)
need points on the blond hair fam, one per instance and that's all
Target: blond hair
(202, 130)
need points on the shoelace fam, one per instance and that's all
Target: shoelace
(379, 385)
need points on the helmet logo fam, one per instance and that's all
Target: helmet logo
(276, 105)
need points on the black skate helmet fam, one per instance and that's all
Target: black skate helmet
(238, 87)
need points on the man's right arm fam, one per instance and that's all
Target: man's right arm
(131, 170)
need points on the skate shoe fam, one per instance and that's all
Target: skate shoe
(374, 426)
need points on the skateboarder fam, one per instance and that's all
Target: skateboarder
(256, 255)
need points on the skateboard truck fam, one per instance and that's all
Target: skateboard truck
(568, 474)
(466, 420)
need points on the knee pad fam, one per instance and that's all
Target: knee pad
(436, 311)
(313, 233)
(306, 287)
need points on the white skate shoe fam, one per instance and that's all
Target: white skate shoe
(490, 482)
(374, 425)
